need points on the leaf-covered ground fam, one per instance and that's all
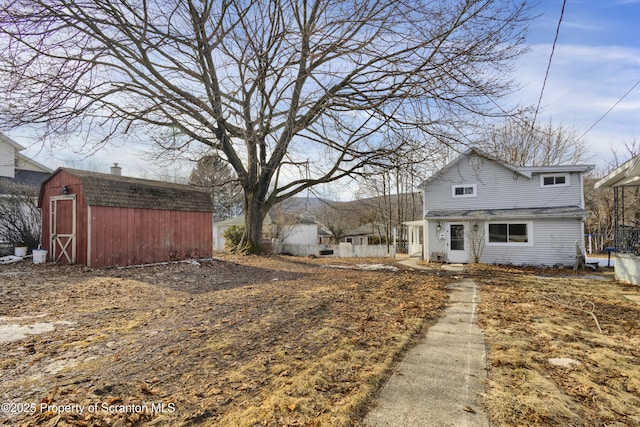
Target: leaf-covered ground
(534, 317)
(234, 341)
(295, 341)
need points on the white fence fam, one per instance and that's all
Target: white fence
(344, 250)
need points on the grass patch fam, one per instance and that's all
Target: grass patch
(239, 342)
(524, 330)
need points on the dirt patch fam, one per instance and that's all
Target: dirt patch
(234, 341)
(531, 321)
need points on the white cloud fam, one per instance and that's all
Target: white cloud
(584, 83)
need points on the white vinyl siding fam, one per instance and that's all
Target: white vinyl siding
(555, 242)
(7, 160)
(548, 239)
(497, 188)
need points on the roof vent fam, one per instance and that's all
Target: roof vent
(116, 170)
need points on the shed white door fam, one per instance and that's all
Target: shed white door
(457, 243)
(63, 228)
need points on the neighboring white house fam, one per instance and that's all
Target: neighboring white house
(301, 235)
(626, 241)
(478, 208)
(268, 230)
(18, 168)
(288, 234)
(19, 175)
(301, 230)
(364, 233)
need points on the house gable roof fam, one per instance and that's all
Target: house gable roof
(531, 170)
(26, 171)
(102, 189)
(466, 154)
(4, 138)
(524, 171)
(27, 164)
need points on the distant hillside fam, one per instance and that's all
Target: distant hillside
(295, 205)
(341, 217)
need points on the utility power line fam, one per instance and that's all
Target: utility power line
(609, 110)
(546, 74)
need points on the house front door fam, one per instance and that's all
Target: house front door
(63, 228)
(457, 244)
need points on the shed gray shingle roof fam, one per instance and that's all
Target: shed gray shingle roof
(121, 191)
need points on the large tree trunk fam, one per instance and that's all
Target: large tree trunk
(305, 85)
(255, 212)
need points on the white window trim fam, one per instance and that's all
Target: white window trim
(566, 176)
(457, 196)
(529, 234)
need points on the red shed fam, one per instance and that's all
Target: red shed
(98, 219)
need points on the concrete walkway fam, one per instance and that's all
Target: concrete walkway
(438, 382)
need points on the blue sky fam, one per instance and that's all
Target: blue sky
(596, 61)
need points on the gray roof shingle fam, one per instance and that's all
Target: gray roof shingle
(121, 191)
(27, 177)
(489, 214)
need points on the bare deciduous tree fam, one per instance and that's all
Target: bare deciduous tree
(294, 93)
(19, 215)
(521, 142)
(394, 182)
(599, 225)
(630, 148)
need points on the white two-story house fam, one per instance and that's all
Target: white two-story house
(480, 209)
